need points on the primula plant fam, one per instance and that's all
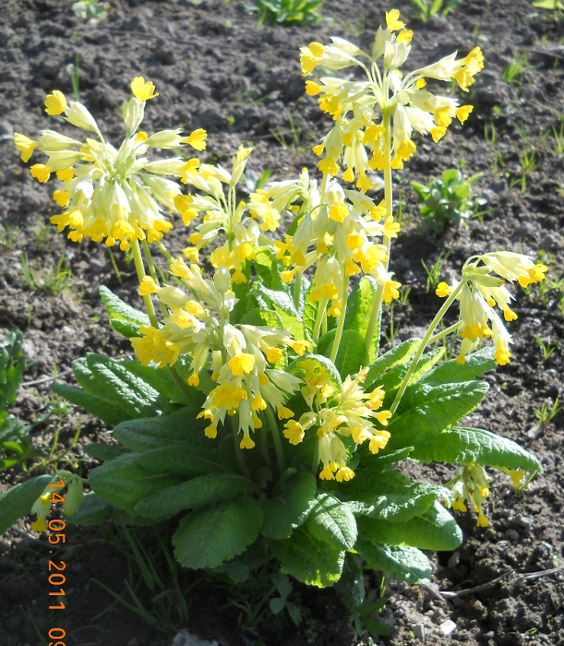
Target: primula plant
(260, 412)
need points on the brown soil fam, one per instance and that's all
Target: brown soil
(214, 68)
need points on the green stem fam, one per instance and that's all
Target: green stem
(297, 290)
(341, 323)
(140, 267)
(114, 264)
(264, 446)
(183, 387)
(315, 460)
(153, 273)
(239, 453)
(319, 318)
(164, 251)
(276, 438)
(388, 198)
(424, 344)
(441, 335)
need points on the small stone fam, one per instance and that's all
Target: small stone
(454, 559)
(419, 631)
(512, 535)
(526, 523)
(447, 628)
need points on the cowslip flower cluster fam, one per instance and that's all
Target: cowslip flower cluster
(112, 195)
(243, 357)
(335, 232)
(349, 413)
(481, 290)
(471, 486)
(375, 119)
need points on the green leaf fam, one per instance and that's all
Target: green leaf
(426, 411)
(18, 500)
(397, 356)
(123, 318)
(477, 364)
(332, 521)
(260, 317)
(108, 412)
(126, 480)
(267, 267)
(390, 495)
(352, 353)
(180, 427)
(463, 445)
(92, 511)
(283, 305)
(111, 391)
(405, 563)
(310, 560)
(12, 366)
(359, 309)
(434, 530)
(105, 451)
(208, 537)
(197, 492)
(160, 379)
(324, 368)
(288, 510)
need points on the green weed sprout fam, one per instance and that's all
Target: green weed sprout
(301, 12)
(423, 10)
(448, 198)
(90, 10)
(260, 412)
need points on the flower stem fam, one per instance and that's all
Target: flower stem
(276, 438)
(239, 453)
(183, 387)
(153, 273)
(341, 323)
(375, 315)
(318, 319)
(140, 267)
(424, 343)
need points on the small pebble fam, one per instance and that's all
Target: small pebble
(447, 628)
(419, 631)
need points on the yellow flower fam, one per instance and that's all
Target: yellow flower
(25, 145)
(61, 198)
(294, 432)
(241, 364)
(143, 90)
(41, 172)
(392, 20)
(55, 103)
(443, 290)
(196, 139)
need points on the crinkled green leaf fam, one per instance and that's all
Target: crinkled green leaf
(107, 411)
(18, 500)
(105, 451)
(404, 563)
(123, 318)
(477, 364)
(391, 496)
(259, 317)
(92, 511)
(397, 356)
(289, 509)
(324, 368)
(435, 530)
(426, 411)
(180, 427)
(210, 536)
(464, 445)
(129, 478)
(359, 309)
(12, 365)
(352, 353)
(196, 492)
(332, 521)
(309, 559)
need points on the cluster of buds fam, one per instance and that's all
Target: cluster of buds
(471, 486)
(482, 288)
(349, 413)
(112, 195)
(375, 119)
(243, 357)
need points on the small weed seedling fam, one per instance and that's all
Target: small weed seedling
(547, 412)
(434, 272)
(425, 9)
(512, 73)
(90, 10)
(271, 12)
(546, 348)
(447, 198)
(552, 5)
(49, 281)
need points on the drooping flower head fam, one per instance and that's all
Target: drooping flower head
(111, 194)
(375, 119)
